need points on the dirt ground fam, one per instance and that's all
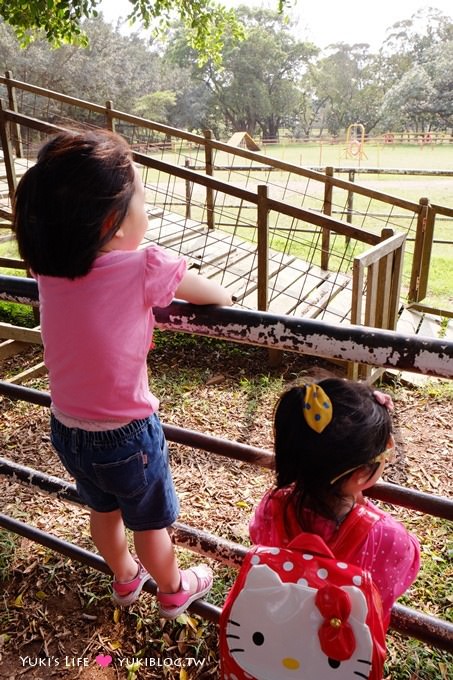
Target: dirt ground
(56, 616)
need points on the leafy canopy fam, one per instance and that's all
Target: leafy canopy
(61, 20)
(58, 19)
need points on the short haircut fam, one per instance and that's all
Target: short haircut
(82, 182)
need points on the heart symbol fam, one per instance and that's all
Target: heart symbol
(104, 661)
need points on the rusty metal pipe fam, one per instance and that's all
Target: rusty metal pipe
(435, 632)
(200, 607)
(438, 506)
(362, 344)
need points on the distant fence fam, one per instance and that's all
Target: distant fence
(385, 138)
(373, 261)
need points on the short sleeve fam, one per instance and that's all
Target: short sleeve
(260, 526)
(274, 521)
(163, 274)
(392, 554)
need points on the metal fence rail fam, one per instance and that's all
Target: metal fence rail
(383, 348)
(437, 506)
(429, 629)
(362, 344)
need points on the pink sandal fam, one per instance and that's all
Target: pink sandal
(174, 604)
(125, 594)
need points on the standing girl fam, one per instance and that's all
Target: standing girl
(79, 219)
(332, 441)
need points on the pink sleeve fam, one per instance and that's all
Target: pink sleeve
(260, 526)
(392, 555)
(267, 526)
(163, 274)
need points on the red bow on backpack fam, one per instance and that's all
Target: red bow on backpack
(335, 634)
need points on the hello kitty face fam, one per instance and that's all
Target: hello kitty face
(272, 631)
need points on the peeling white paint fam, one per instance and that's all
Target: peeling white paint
(299, 335)
(426, 362)
(352, 351)
(279, 335)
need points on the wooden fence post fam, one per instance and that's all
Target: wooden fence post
(350, 205)
(384, 285)
(427, 250)
(263, 248)
(189, 187)
(395, 294)
(15, 132)
(109, 115)
(419, 257)
(327, 210)
(274, 355)
(8, 156)
(352, 369)
(209, 168)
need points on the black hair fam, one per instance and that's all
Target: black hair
(308, 461)
(83, 180)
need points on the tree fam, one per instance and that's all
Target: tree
(308, 106)
(256, 88)
(155, 106)
(268, 80)
(347, 82)
(418, 53)
(192, 110)
(113, 66)
(423, 98)
(405, 104)
(61, 20)
(442, 82)
(411, 41)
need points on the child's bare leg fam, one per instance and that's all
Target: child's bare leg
(109, 536)
(155, 551)
(176, 590)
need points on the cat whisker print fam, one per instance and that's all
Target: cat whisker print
(366, 672)
(315, 592)
(269, 614)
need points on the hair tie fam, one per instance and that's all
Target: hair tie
(317, 408)
(384, 400)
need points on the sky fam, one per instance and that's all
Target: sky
(329, 21)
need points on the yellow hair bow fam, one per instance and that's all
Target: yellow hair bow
(317, 408)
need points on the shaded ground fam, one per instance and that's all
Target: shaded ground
(57, 613)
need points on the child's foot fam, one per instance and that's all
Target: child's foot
(195, 582)
(125, 594)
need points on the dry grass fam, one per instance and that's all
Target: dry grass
(60, 610)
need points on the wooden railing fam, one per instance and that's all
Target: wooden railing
(381, 266)
(386, 243)
(128, 125)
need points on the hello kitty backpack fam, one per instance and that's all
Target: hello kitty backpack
(303, 612)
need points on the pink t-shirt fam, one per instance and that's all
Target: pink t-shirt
(97, 331)
(389, 552)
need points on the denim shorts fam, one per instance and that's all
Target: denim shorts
(126, 469)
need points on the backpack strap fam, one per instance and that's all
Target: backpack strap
(353, 531)
(307, 542)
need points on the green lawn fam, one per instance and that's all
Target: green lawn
(378, 155)
(371, 215)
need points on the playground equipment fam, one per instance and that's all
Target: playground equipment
(245, 140)
(355, 141)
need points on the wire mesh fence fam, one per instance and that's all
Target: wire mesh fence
(177, 205)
